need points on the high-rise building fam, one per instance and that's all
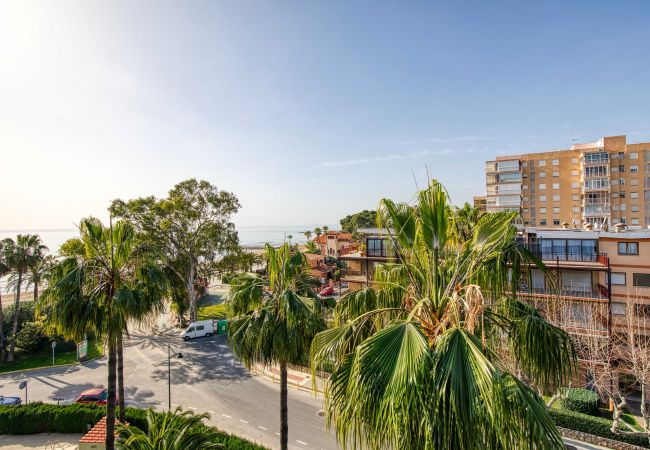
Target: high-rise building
(600, 183)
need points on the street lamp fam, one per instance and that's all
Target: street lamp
(169, 373)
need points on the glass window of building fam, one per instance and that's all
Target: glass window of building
(556, 221)
(634, 221)
(556, 174)
(542, 198)
(555, 162)
(634, 155)
(542, 174)
(618, 308)
(618, 278)
(641, 280)
(556, 185)
(556, 198)
(634, 169)
(634, 182)
(542, 210)
(634, 195)
(628, 248)
(542, 186)
(556, 210)
(575, 160)
(542, 163)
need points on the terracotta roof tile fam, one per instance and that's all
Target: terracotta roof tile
(97, 435)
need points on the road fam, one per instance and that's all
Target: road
(207, 379)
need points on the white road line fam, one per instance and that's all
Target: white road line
(242, 420)
(175, 404)
(301, 442)
(191, 407)
(211, 412)
(262, 428)
(278, 434)
(226, 415)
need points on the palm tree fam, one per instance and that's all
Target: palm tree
(318, 231)
(325, 229)
(18, 256)
(100, 292)
(275, 317)
(307, 235)
(4, 270)
(416, 360)
(464, 220)
(169, 431)
(39, 267)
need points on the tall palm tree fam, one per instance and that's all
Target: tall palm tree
(19, 255)
(4, 270)
(111, 284)
(275, 317)
(325, 229)
(318, 231)
(307, 235)
(169, 431)
(416, 358)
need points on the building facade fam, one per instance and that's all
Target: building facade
(597, 184)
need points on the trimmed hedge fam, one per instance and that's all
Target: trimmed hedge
(77, 418)
(581, 400)
(598, 426)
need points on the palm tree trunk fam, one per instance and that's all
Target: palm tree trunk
(35, 292)
(284, 411)
(191, 293)
(2, 333)
(14, 328)
(120, 377)
(110, 407)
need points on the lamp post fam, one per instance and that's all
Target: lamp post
(169, 373)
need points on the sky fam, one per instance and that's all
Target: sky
(306, 110)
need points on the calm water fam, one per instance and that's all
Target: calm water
(248, 236)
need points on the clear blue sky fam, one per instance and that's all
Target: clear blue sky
(308, 110)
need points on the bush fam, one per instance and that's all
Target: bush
(31, 337)
(581, 400)
(598, 426)
(44, 418)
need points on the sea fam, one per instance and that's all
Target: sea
(249, 236)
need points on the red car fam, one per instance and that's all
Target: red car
(329, 290)
(97, 396)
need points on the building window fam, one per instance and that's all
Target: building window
(556, 174)
(634, 195)
(556, 185)
(574, 160)
(642, 310)
(542, 174)
(556, 221)
(556, 210)
(634, 169)
(575, 197)
(618, 278)
(542, 163)
(628, 248)
(634, 182)
(634, 221)
(618, 308)
(576, 209)
(614, 169)
(542, 222)
(542, 186)
(555, 162)
(542, 210)
(574, 173)
(376, 247)
(525, 187)
(634, 156)
(526, 199)
(621, 194)
(556, 198)
(542, 198)
(621, 168)
(634, 208)
(623, 207)
(641, 280)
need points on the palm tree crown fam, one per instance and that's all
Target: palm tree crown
(416, 358)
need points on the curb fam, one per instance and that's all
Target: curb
(34, 369)
(289, 382)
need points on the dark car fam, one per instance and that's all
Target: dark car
(97, 396)
(10, 400)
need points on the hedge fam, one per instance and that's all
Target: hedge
(598, 426)
(77, 418)
(581, 400)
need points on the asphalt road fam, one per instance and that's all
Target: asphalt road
(207, 379)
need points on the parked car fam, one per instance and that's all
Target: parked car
(97, 396)
(328, 290)
(10, 400)
(198, 329)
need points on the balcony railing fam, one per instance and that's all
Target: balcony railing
(564, 253)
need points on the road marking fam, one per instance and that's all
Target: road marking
(191, 407)
(262, 428)
(301, 442)
(278, 434)
(211, 412)
(242, 420)
(226, 415)
(175, 404)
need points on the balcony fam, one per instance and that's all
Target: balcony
(571, 253)
(591, 159)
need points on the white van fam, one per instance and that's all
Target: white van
(198, 329)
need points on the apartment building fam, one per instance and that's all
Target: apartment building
(360, 264)
(335, 243)
(595, 185)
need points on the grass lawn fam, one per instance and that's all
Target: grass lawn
(44, 358)
(213, 312)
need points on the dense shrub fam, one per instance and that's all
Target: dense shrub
(581, 400)
(598, 426)
(31, 337)
(77, 418)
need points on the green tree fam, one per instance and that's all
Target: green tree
(4, 270)
(464, 221)
(325, 229)
(416, 361)
(72, 248)
(39, 267)
(169, 431)
(362, 219)
(307, 235)
(311, 247)
(19, 255)
(190, 226)
(276, 317)
(112, 283)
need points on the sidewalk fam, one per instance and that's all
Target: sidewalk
(299, 379)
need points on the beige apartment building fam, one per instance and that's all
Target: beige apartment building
(597, 184)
